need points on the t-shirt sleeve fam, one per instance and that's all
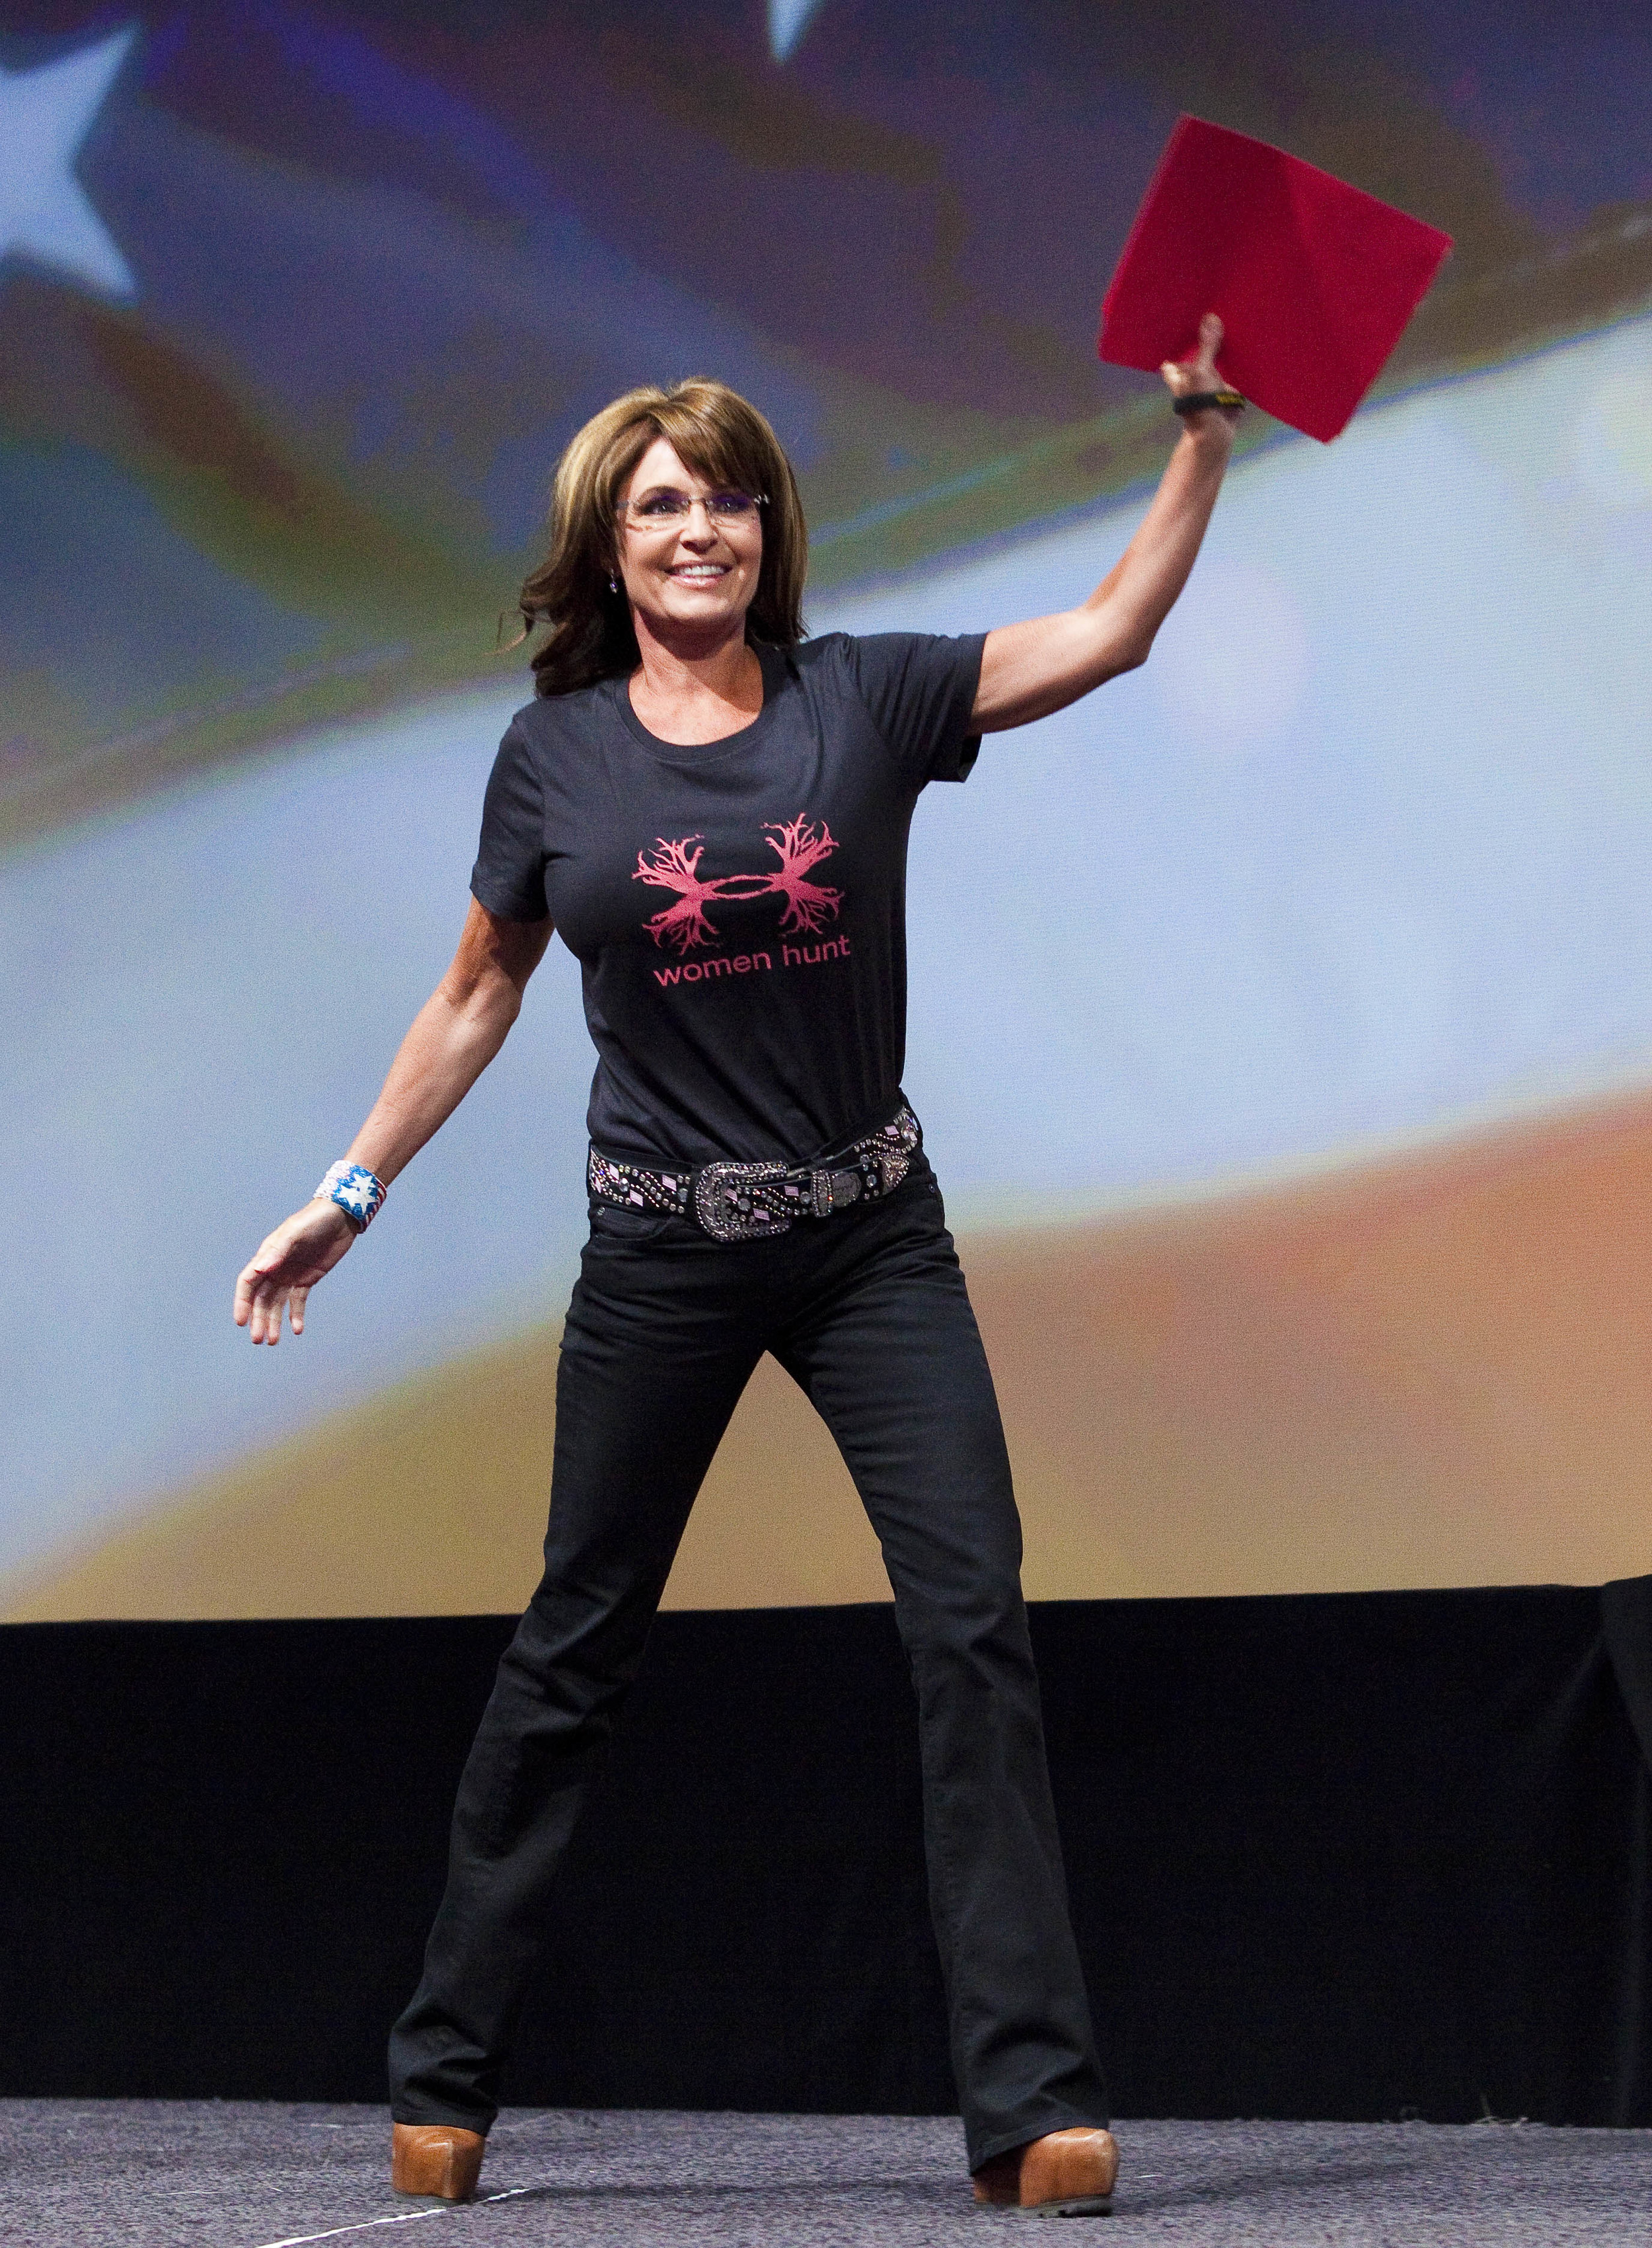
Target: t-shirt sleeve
(920, 690)
(508, 877)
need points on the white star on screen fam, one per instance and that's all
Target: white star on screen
(45, 115)
(787, 21)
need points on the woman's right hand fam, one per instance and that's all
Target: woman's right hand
(288, 1263)
(454, 1036)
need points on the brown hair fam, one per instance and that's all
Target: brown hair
(717, 433)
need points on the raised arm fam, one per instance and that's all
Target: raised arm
(454, 1036)
(1027, 670)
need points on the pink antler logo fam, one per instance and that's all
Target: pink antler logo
(799, 846)
(673, 868)
(808, 905)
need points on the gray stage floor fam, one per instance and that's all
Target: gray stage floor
(150, 2174)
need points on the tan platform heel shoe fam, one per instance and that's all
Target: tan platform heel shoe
(1064, 2174)
(437, 2162)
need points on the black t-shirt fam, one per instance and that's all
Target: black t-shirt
(738, 908)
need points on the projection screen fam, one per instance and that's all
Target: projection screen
(1281, 1015)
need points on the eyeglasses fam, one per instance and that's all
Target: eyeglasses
(664, 510)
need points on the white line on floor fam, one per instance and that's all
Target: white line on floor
(408, 2216)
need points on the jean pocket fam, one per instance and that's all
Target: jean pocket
(610, 1222)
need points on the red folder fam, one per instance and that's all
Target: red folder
(1315, 280)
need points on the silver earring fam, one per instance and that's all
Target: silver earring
(613, 585)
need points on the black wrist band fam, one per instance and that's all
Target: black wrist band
(1201, 399)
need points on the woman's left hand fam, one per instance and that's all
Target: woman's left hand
(1029, 669)
(1186, 378)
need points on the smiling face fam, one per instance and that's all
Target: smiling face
(686, 575)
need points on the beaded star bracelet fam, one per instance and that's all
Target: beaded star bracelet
(358, 1192)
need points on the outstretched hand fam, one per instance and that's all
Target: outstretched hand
(1186, 378)
(287, 1265)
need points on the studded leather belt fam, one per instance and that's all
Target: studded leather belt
(747, 1202)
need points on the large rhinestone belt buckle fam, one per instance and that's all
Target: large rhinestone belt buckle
(727, 1206)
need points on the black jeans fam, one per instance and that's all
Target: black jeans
(868, 1310)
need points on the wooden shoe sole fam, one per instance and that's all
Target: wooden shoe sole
(1063, 2174)
(434, 2162)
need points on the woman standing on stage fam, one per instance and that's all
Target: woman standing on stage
(714, 812)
